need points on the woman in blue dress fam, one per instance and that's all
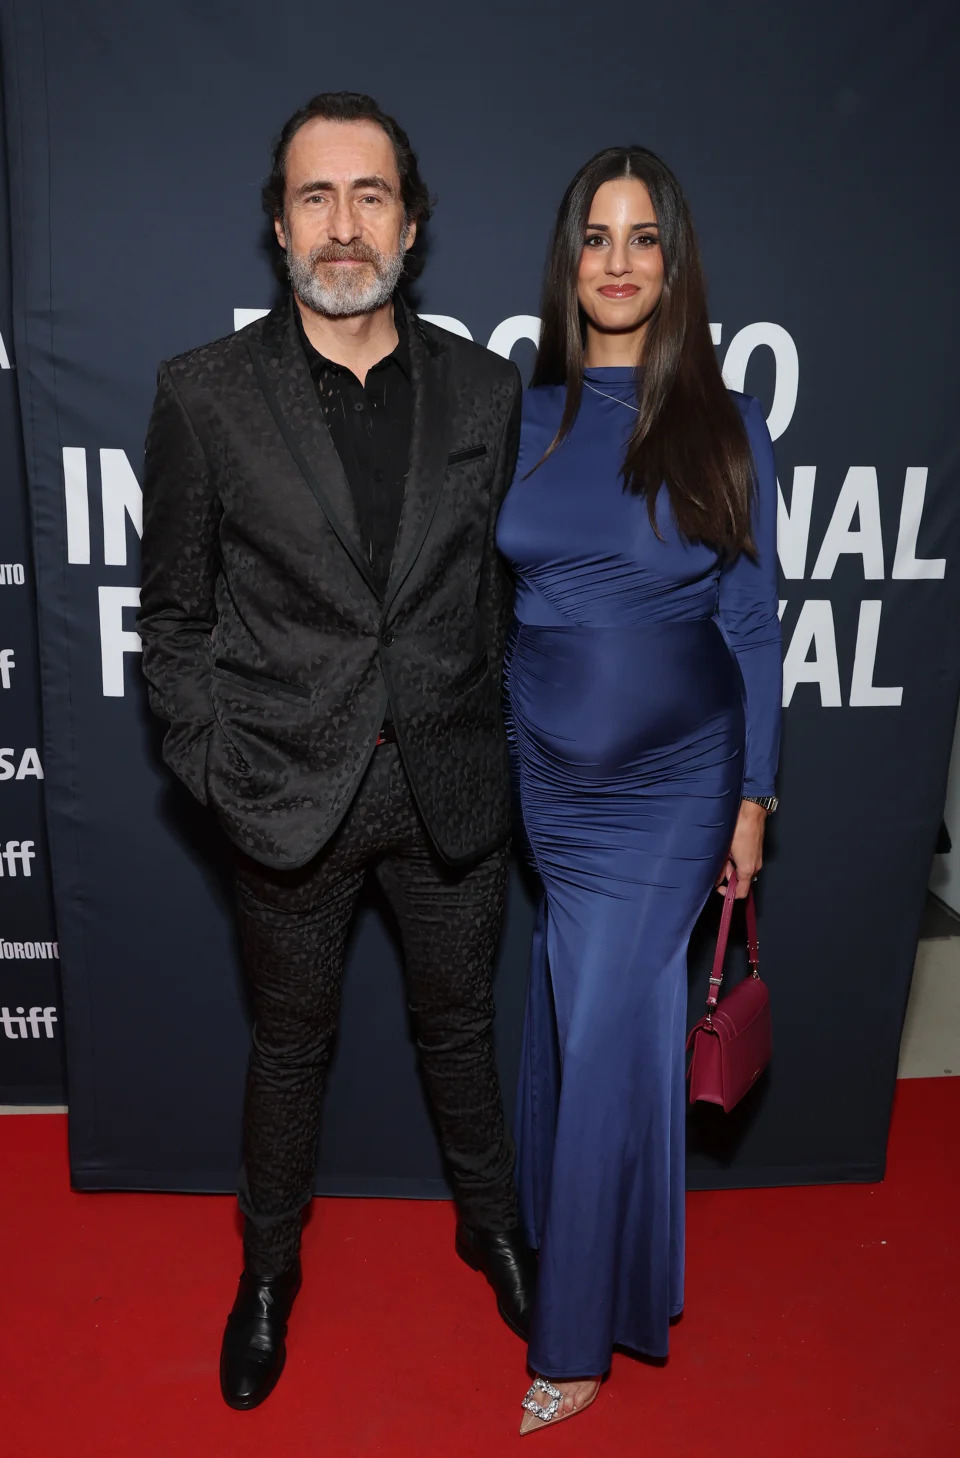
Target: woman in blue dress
(644, 685)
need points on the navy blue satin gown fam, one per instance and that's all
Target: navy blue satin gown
(643, 685)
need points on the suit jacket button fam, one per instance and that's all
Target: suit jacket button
(387, 639)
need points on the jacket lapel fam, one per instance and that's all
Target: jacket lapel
(284, 376)
(429, 444)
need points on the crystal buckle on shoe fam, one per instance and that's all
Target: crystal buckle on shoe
(544, 1413)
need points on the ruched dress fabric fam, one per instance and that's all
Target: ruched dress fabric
(643, 691)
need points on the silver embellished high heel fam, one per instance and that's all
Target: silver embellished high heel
(539, 1414)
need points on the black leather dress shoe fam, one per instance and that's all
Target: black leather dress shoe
(509, 1265)
(254, 1343)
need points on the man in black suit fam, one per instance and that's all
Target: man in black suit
(323, 619)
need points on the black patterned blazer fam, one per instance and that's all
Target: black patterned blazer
(265, 644)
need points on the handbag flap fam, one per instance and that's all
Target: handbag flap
(741, 1006)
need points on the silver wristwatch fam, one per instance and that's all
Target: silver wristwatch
(766, 802)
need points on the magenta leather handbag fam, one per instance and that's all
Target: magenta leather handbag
(731, 1043)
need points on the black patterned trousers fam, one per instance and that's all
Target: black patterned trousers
(293, 926)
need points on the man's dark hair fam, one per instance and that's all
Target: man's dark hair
(349, 106)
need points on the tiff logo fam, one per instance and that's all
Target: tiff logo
(7, 662)
(14, 851)
(11, 574)
(15, 1024)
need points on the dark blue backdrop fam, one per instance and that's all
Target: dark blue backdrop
(815, 143)
(31, 1046)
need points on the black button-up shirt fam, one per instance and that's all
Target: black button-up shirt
(370, 425)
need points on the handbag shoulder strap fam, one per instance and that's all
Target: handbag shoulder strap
(753, 944)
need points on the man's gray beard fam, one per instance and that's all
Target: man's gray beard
(352, 293)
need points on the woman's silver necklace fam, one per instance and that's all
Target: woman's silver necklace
(615, 398)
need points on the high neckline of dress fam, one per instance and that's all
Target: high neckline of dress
(611, 374)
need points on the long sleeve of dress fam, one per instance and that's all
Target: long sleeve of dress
(747, 613)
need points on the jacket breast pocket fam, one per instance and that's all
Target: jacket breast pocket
(469, 453)
(252, 678)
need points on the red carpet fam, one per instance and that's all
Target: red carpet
(827, 1326)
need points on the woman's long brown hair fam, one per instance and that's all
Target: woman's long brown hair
(689, 435)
